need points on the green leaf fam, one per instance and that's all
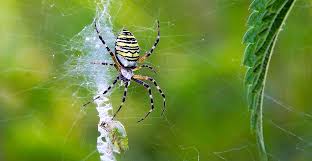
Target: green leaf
(264, 24)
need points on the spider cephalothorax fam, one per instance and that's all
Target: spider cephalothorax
(126, 59)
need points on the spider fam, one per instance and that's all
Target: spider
(126, 59)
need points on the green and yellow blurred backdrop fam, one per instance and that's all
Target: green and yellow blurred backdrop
(199, 67)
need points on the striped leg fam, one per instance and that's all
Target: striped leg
(161, 93)
(145, 66)
(103, 63)
(117, 65)
(140, 77)
(150, 95)
(123, 99)
(147, 54)
(108, 89)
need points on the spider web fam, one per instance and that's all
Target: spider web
(199, 68)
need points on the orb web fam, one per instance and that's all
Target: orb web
(214, 47)
(89, 48)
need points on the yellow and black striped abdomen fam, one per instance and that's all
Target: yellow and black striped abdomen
(127, 46)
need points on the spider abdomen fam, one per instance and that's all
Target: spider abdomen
(127, 48)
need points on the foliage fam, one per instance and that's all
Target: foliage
(199, 67)
(264, 24)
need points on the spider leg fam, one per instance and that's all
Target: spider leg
(123, 99)
(117, 65)
(103, 63)
(150, 95)
(147, 54)
(156, 85)
(109, 88)
(161, 93)
(144, 66)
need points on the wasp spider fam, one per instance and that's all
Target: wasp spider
(126, 59)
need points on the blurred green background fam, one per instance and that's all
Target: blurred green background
(199, 67)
